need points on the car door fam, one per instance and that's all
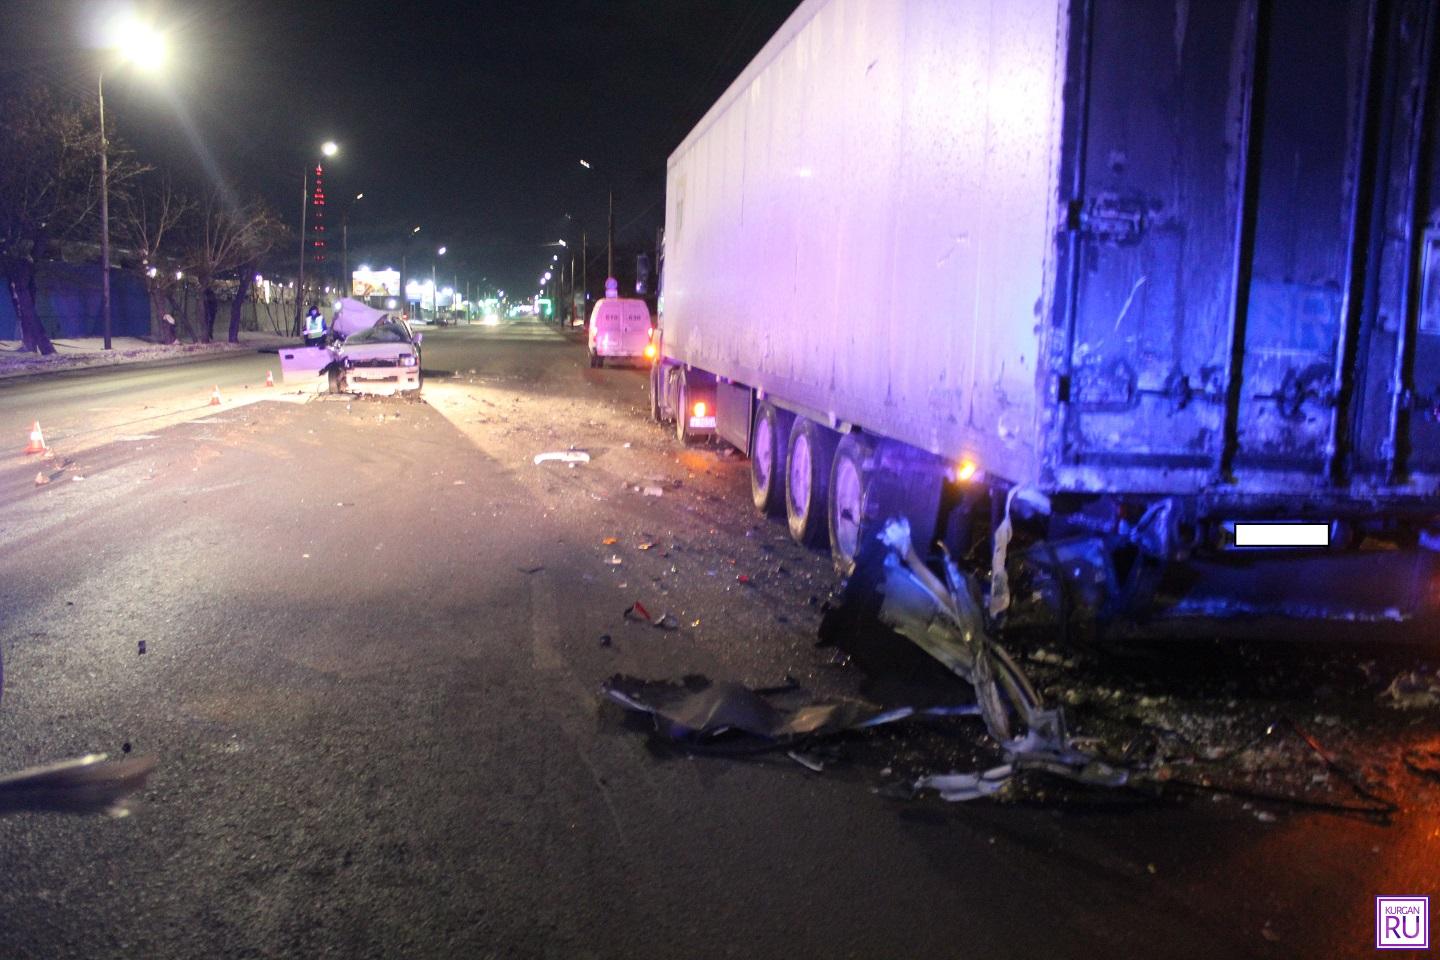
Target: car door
(302, 364)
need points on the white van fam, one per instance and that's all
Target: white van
(620, 330)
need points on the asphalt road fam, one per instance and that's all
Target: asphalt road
(372, 649)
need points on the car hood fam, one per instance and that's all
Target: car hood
(354, 316)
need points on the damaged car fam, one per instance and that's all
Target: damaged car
(370, 352)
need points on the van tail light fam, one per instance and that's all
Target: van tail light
(649, 351)
(700, 408)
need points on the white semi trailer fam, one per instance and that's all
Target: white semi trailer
(1135, 292)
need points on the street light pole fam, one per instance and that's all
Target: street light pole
(345, 241)
(300, 282)
(139, 44)
(434, 290)
(104, 216)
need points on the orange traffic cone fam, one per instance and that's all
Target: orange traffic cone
(37, 440)
(215, 396)
(269, 379)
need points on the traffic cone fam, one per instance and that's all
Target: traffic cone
(37, 440)
(269, 379)
(215, 396)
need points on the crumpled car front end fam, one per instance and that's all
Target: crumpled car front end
(380, 368)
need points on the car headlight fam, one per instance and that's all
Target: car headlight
(407, 360)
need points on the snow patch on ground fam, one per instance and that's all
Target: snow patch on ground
(86, 352)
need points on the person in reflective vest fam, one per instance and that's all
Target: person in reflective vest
(314, 327)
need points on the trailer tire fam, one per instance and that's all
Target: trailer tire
(851, 500)
(334, 379)
(768, 449)
(682, 406)
(807, 480)
(657, 409)
(872, 481)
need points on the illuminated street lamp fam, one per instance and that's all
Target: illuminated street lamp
(134, 42)
(345, 241)
(328, 149)
(434, 291)
(610, 228)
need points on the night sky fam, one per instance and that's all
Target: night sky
(468, 119)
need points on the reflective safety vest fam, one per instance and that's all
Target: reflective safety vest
(314, 325)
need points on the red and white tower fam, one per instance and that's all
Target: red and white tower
(317, 217)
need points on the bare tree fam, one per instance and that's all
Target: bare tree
(225, 238)
(48, 188)
(149, 219)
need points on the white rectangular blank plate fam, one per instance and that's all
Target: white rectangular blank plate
(1282, 534)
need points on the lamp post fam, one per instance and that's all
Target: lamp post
(434, 290)
(610, 228)
(328, 149)
(138, 43)
(404, 277)
(345, 241)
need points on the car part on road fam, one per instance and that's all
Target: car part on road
(705, 715)
(85, 785)
(562, 456)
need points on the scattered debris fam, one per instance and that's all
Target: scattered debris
(610, 541)
(614, 560)
(716, 711)
(535, 569)
(604, 639)
(562, 456)
(1424, 760)
(648, 545)
(41, 479)
(141, 648)
(1415, 690)
(636, 613)
(458, 483)
(956, 787)
(77, 478)
(653, 491)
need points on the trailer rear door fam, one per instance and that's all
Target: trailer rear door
(1155, 185)
(1254, 247)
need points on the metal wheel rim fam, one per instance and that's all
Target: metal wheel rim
(845, 501)
(764, 453)
(799, 485)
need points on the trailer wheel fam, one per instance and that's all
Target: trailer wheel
(807, 479)
(767, 458)
(873, 481)
(657, 409)
(850, 495)
(682, 408)
(334, 379)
